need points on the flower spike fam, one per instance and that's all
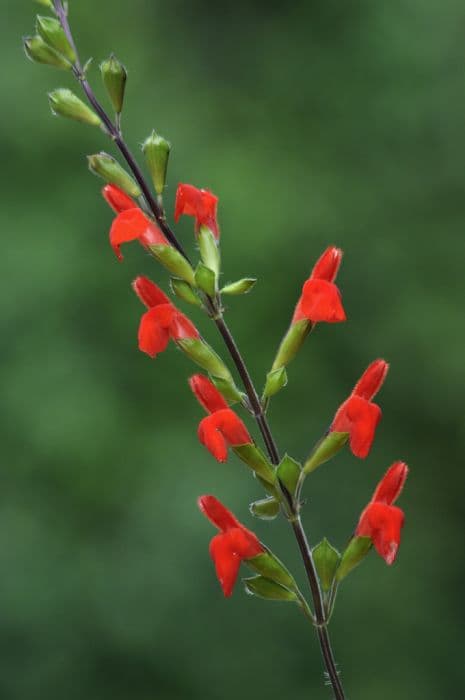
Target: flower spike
(358, 416)
(201, 204)
(231, 546)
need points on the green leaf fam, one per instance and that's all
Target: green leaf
(326, 559)
(205, 279)
(289, 472)
(355, 552)
(275, 381)
(252, 455)
(327, 448)
(265, 508)
(242, 286)
(269, 590)
(270, 567)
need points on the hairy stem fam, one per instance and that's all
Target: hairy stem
(254, 399)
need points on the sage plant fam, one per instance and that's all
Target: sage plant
(140, 216)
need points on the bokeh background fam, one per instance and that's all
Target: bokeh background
(316, 123)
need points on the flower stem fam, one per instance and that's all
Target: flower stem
(114, 132)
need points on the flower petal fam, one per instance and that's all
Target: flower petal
(201, 204)
(392, 483)
(371, 380)
(154, 330)
(117, 199)
(148, 292)
(320, 302)
(131, 225)
(207, 394)
(217, 513)
(327, 266)
(232, 427)
(359, 418)
(181, 327)
(383, 523)
(227, 563)
(213, 440)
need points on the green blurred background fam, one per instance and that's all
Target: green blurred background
(315, 123)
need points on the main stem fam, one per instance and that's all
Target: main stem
(254, 399)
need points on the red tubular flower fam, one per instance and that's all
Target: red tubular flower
(381, 521)
(234, 543)
(162, 322)
(117, 199)
(207, 394)
(220, 430)
(358, 416)
(130, 224)
(201, 204)
(321, 299)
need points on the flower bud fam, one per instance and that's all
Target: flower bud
(63, 102)
(289, 473)
(265, 508)
(264, 588)
(271, 568)
(184, 291)
(275, 381)
(291, 343)
(114, 77)
(38, 51)
(174, 262)
(242, 286)
(156, 150)
(326, 559)
(53, 34)
(355, 552)
(106, 167)
(327, 448)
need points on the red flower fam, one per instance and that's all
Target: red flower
(162, 321)
(131, 223)
(320, 299)
(381, 521)
(207, 394)
(358, 416)
(201, 204)
(223, 427)
(234, 543)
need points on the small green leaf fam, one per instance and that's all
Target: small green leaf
(242, 286)
(205, 279)
(252, 455)
(275, 381)
(265, 508)
(174, 262)
(327, 448)
(270, 567)
(269, 590)
(184, 291)
(355, 552)
(289, 472)
(326, 559)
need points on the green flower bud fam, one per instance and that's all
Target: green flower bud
(265, 508)
(275, 381)
(269, 590)
(326, 559)
(38, 51)
(53, 34)
(106, 167)
(289, 473)
(114, 77)
(63, 102)
(242, 286)
(156, 150)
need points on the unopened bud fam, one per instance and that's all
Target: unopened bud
(265, 508)
(106, 167)
(38, 51)
(53, 34)
(242, 286)
(275, 381)
(326, 559)
(291, 343)
(63, 102)
(156, 150)
(114, 77)
(264, 588)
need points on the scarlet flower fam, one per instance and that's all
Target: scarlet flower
(131, 223)
(358, 416)
(162, 321)
(201, 204)
(222, 427)
(321, 299)
(381, 521)
(234, 544)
